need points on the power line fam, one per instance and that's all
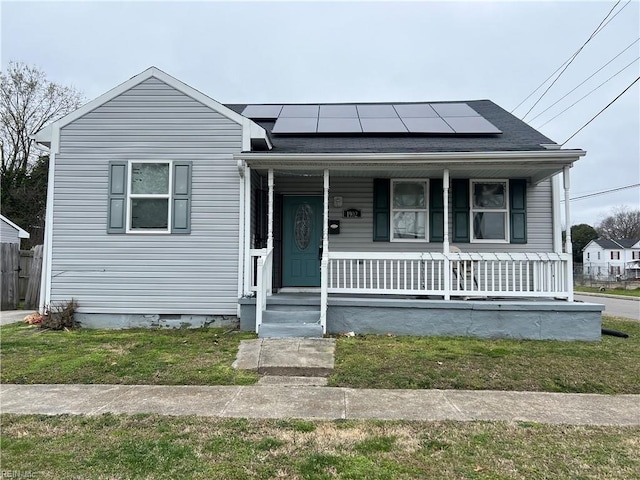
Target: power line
(595, 32)
(603, 192)
(585, 80)
(563, 64)
(597, 114)
(585, 96)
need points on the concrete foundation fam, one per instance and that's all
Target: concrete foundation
(117, 321)
(520, 319)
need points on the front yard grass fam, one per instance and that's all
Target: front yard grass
(609, 291)
(137, 356)
(204, 357)
(153, 446)
(609, 366)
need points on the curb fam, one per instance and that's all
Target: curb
(606, 295)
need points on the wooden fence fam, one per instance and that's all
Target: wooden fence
(21, 271)
(32, 293)
(10, 266)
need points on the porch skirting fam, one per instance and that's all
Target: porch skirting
(520, 319)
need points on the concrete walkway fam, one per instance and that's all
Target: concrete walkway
(13, 316)
(326, 403)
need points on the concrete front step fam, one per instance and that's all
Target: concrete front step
(292, 357)
(284, 330)
(274, 315)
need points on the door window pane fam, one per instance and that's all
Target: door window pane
(303, 226)
(150, 213)
(150, 178)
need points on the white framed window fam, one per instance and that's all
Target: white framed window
(409, 210)
(149, 196)
(489, 211)
(598, 255)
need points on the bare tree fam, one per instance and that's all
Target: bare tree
(28, 102)
(624, 223)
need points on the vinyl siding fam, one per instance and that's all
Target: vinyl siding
(8, 234)
(147, 273)
(356, 233)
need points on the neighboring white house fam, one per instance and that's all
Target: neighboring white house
(10, 232)
(166, 207)
(612, 259)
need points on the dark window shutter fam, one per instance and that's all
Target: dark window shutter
(518, 210)
(381, 202)
(460, 210)
(436, 211)
(181, 198)
(116, 215)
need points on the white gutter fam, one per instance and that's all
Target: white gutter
(567, 156)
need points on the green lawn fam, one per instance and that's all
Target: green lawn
(609, 291)
(204, 357)
(152, 446)
(137, 356)
(609, 366)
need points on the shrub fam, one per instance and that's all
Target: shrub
(60, 316)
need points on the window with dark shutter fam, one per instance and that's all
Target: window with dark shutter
(116, 214)
(460, 210)
(436, 211)
(381, 204)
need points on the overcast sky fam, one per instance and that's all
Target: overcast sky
(269, 52)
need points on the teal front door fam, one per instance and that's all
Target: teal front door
(301, 240)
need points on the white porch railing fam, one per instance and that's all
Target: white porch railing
(264, 276)
(470, 274)
(254, 254)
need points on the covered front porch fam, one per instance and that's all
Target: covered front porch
(432, 285)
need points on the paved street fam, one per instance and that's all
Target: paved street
(619, 307)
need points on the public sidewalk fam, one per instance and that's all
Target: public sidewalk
(325, 403)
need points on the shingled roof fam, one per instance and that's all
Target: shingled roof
(516, 136)
(616, 244)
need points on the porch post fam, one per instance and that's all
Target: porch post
(324, 265)
(568, 248)
(245, 234)
(445, 243)
(270, 229)
(270, 212)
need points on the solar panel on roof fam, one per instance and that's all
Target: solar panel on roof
(472, 125)
(412, 110)
(427, 125)
(454, 110)
(376, 111)
(262, 111)
(338, 111)
(299, 111)
(382, 125)
(339, 125)
(295, 125)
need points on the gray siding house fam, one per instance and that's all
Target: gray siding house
(10, 232)
(166, 207)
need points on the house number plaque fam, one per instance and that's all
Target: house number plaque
(351, 213)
